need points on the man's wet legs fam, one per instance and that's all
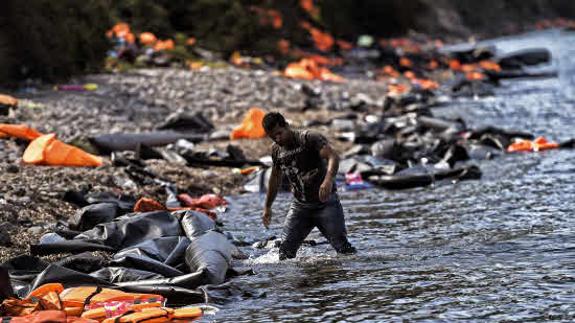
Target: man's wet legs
(331, 223)
(298, 224)
(300, 220)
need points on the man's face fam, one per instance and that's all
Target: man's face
(280, 135)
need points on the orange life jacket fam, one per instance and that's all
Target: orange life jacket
(47, 150)
(158, 315)
(89, 295)
(116, 309)
(47, 317)
(18, 131)
(251, 127)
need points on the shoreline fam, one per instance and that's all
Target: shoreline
(32, 195)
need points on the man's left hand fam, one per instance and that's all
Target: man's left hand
(325, 190)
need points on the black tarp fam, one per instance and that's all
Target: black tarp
(90, 216)
(189, 281)
(186, 122)
(132, 229)
(152, 255)
(211, 251)
(524, 57)
(196, 223)
(130, 141)
(86, 262)
(167, 250)
(67, 277)
(147, 264)
(420, 176)
(120, 274)
(125, 231)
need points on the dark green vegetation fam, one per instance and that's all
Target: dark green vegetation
(51, 39)
(55, 39)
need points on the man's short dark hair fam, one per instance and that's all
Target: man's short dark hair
(272, 120)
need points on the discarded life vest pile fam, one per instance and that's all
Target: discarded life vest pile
(406, 146)
(53, 303)
(124, 266)
(417, 149)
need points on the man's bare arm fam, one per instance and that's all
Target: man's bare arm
(333, 160)
(332, 167)
(273, 186)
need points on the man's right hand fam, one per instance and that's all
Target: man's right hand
(267, 217)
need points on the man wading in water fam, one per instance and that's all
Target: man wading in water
(301, 156)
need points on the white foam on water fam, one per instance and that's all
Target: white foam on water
(305, 255)
(271, 257)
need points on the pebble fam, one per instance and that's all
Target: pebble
(24, 200)
(35, 230)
